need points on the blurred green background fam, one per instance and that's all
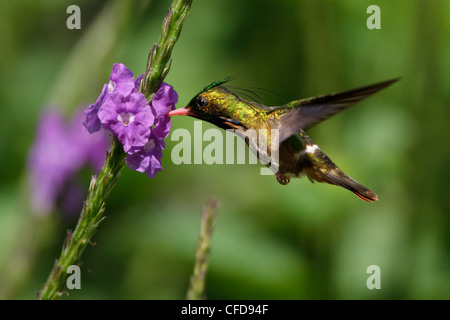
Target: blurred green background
(301, 241)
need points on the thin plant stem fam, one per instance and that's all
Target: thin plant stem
(158, 65)
(197, 280)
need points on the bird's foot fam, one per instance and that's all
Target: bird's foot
(284, 180)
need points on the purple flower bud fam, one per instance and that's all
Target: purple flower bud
(137, 83)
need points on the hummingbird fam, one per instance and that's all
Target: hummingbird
(298, 154)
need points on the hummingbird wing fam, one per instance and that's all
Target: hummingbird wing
(306, 113)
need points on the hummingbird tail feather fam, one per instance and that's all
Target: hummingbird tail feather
(319, 167)
(350, 184)
(339, 178)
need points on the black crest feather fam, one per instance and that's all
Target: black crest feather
(210, 86)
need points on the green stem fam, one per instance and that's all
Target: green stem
(92, 212)
(158, 63)
(197, 281)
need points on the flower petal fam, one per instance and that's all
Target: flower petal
(137, 83)
(92, 122)
(164, 100)
(162, 127)
(133, 133)
(121, 80)
(147, 158)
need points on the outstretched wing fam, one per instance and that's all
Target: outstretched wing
(306, 113)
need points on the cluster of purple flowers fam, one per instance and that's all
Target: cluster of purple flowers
(61, 149)
(140, 127)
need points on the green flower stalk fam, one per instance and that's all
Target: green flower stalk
(158, 63)
(197, 281)
(158, 66)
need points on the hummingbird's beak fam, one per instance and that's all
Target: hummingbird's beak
(180, 112)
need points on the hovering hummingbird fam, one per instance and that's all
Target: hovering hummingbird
(298, 154)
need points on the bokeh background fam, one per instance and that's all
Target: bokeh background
(300, 241)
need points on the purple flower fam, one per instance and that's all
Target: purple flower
(49, 167)
(121, 81)
(147, 158)
(92, 123)
(59, 151)
(125, 112)
(163, 102)
(129, 118)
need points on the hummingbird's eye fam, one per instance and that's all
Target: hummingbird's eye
(201, 102)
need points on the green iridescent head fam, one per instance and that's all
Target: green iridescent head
(214, 103)
(209, 87)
